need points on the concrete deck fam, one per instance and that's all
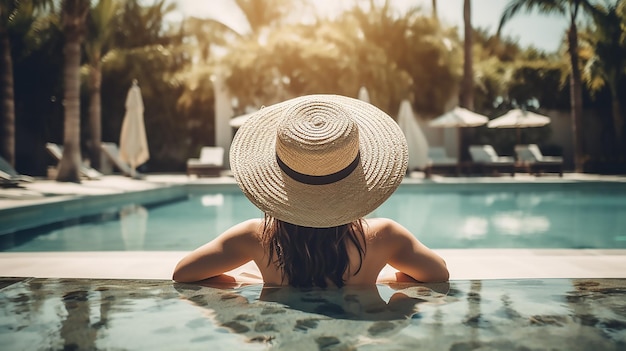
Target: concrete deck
(463, 264)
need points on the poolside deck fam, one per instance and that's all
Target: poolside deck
(464, 264)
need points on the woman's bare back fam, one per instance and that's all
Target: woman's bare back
(387, 242)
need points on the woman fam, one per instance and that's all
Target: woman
(316, 166)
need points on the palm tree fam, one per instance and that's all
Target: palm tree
(204, 33)
(73, 19)
(467, 89)
(10, 12)
(606, 66)
(7, 148)
(571, 8)
(99, 40)
(467, 84)
(262, 13)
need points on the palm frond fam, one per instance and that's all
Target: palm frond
(514, 7)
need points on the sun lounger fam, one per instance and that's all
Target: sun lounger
(210, 163)
(440, 162)
(530, 158)
(9, 176)
(56, 151)
(112, 152)
(488, 161)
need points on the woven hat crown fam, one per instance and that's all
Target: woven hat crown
(319, 160)
(317, 139)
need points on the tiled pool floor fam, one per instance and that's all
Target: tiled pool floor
(511, 314)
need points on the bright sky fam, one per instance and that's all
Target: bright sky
(543, 32)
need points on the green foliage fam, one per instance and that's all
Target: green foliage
(37, 69)
(394, 58)
(538, 80)
(100, 30)
(263, 13)
(140, 25)
(603, 47)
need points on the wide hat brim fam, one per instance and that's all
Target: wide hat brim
(383, 162)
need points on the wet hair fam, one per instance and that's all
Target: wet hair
(312, 257)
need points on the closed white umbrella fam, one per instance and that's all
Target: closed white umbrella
(133, 141)
(364, 95)
(415, 138)
(517, 119)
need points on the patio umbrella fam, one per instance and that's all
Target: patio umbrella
(517, 119)
(133, 141)
(459, 117)
(415, 139)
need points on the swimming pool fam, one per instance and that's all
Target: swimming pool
(559, 314)
(524, 216)
(87, 314)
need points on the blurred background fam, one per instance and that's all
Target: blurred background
(487, 56)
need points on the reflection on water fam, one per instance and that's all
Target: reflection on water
(509, 219)
(552, 314)
(474, 228)
(520, 223)
(454, 219)
(212, 200)
(133, 222)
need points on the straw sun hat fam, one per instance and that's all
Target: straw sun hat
(319, 160)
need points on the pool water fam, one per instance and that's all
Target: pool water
(81, 314)
(525, 218)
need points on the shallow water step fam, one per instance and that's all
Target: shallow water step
(89, 314)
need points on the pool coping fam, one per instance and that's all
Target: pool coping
(464, 264)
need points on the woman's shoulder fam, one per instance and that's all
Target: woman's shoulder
(252, 224)
(250, 228)
(381, 224)
(384, 229)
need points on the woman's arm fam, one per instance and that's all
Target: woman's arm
(228, 251)
(410, 256)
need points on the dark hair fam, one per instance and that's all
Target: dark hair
(310, 257)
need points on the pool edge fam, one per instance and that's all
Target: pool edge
(464, 264)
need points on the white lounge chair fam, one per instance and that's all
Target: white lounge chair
(9, 177)
(112, 152)
(531, 158)
(56, 151)
(487, 160)
(210, 163)
(439, 161)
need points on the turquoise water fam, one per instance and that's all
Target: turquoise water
(441, 219)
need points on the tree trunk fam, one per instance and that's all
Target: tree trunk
(467, 89)
(467, 85)
(576, 97)
(69, 166)
(434, 6)
(7, 146)
(95, 115)
(618, 121)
